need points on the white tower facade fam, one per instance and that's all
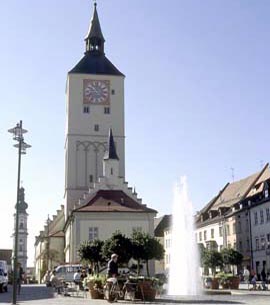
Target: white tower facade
(22, 230)
(95, 103)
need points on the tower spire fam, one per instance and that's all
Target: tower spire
(111, 153)
(94, 38)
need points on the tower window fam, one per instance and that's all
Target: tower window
(91, 178)
(96, 127)
(113, 92)
(111, 171)
(86, 109)
(107, 110)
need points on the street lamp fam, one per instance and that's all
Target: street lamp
(18, 133)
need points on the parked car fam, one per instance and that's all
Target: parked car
(3, 281)
(66, 272)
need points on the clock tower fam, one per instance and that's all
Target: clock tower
(95, 103)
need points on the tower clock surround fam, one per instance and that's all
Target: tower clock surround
(96, 92)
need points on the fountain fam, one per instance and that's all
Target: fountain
(184, 277)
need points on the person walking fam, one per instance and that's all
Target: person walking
(20, 275)
(246, 275)
(77, 278)
(112, 270)
(263, 278)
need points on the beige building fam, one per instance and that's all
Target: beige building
(237, 217)
(163, 233)
(49, 245)
(226, 220)
(98, 200)
(108, 207)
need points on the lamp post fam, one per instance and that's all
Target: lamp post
(17, 132)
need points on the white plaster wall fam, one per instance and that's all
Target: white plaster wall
(260, 231)
(107, 224)
(219, 239)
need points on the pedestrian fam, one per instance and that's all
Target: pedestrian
(47, 278)
(83, 275)
(20, 274)
(77, 278)
(263, 278)
(246, 275)
(56, 283)
(112, 270)
(254, 282)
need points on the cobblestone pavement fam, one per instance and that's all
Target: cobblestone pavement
(41, 295)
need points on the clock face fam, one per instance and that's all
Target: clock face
(96, 92)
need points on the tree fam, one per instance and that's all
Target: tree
(119, 244)
(231, 257)
(137, 241)
(212, 259)
(145, 248)
(91, 251)
(201, 251)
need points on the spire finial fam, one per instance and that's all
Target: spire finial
(111, 152)
(94, 38)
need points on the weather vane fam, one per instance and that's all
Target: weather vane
(232, 169)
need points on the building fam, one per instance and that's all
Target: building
(95, 103)
(164, 234)
(6, 255)
(22, 230)
(237, 217)
(227, 220)
(108, 207)
(50, 244)
(98, 200)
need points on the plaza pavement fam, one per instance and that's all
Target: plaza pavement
(41, 295)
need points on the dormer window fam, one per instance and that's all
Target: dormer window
(266, 193)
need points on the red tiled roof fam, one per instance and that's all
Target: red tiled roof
(113, 201)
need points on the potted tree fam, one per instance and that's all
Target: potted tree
(146, 248)
(232, 257)
(91, 252)
(119, 244)
(213, 259)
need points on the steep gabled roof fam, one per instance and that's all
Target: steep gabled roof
(113, 201)
(164, 223)
(95, 64)
(235, 192)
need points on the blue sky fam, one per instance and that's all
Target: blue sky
(196, 94)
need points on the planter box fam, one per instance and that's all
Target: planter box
(146, 291)
(94, 291)
(231, 283)
(96, 294)
(215, 283)
(234, 282)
